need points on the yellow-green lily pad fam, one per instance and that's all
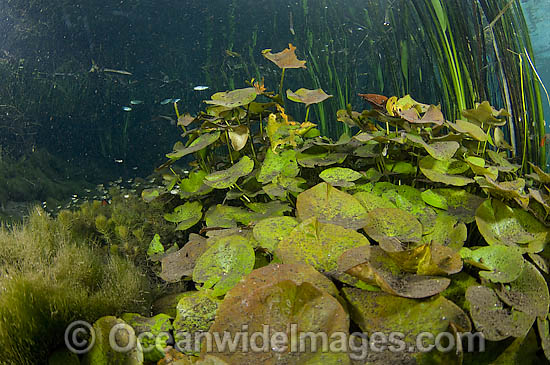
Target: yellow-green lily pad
(446, 172)
(460, 203)
(499, 263)
(270, 231)
(485, 114)
(226, 178)
(372, 201)
(307, 96)
(340, 176)
(500, 224)
(434, 199)
(393, 222)
(204, 140)
(186, 215)
(278, 164)
(224, 264)
(234, 98)
(330, 205)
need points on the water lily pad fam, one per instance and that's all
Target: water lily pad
(225, 178)
(447, 231)
(204, 140)
(484, 114)
(148, 195)
(318, 244)
(340, 176)
(226, 216)
(501, 161)
(477, 165)
(233, 98)
(543, 177)
(284, 59)
(513, 189)
(528, 293)
(186, 215)
(445, 171)
(238, 137)
(278, 164)
(400, 167)
(194, 185)
(158, 326)
(460, 204)
(374, 266)
(492, 319)
(393, 222)
(195, 313)
(155, 247)
(280, 308)
(432, 116)
(434, 199)
(182, 262)
(439, 260)
(224, 264)
(307, 96)
(499, 263)
(320, 159)
(268, 232)
(282, 185)
(386, 313)
(330, 205)
(470, 129)
(500, 224)
(439, 150)
(372, 201)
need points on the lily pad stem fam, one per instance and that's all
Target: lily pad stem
(229, 147)
(307, 113)
(281, 85)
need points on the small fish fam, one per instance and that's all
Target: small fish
(119, 161)
(175, 100)
(166, 101)
(126, 108)
(231, 53)
(200, 88)
(136, 102)
(134, 168)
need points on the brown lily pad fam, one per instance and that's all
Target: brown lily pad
(182, 262)
(284, 59)
(307, 96)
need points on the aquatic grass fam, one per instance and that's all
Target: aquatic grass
(49, 280)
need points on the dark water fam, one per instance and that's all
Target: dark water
(68, 69)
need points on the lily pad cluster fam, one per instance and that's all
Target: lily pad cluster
(410, 223)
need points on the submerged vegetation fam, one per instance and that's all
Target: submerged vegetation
(409, 223)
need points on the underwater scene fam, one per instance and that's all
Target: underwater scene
(274, 182)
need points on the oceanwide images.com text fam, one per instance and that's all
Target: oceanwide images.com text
(80, 338)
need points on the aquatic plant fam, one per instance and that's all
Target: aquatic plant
(49, 280)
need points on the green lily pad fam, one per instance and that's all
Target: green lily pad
(528, 293)
(484, 114)
(234, 98)
(224, 264)
(148, 195)
(439, 150)
(499, 263)
(195, 313)
(318, 244)
(434, 199)
(500, 224)
(320, 159)
(439, 260)
(471, 129)
(282, 185)
(330, 205)
(386, 313)
(460, 204)
(278, 164)
(158, 326)
(279, 307)
(186, 215)
(194, 185)
(393, 222)
(400, 167)
(477, 165)
(204, 140)
(268, 232)
(492, 319)
(226, 178)
(445, 171)
(501, 161)
(373, 265)
(340, 176)
(447, 231)
(307, 96)
(155, 247)
(543, 326)
(513, 189)
(372, 201)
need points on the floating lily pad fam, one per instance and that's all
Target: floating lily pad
(158, 326)
(439, 150)
(492, 319)
(460, 204)
(284, 59)
(372, 201)
(268, 232)
(392, 222)
(528, 293)
(182, 262)
(447, 231)
(194, 185)
(470, 129)
(477, 165)
(499, 263)
(155, 247)
(320, 159)
(374, 266)
(204, 140)
(513, 189)
(307, 96)
(186, 215)
(278, 164)
(340, 176)
(225, 178)
(330, 205)
(484, 114)
(318, 244)
(224, 264)
(500, 224)
(280, 308)
(434, 199)
(233, 98)
(445, 171)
